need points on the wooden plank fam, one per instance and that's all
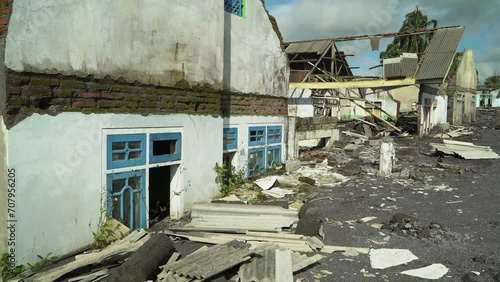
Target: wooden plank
(366, 122)
(352, 84)
(381, 119)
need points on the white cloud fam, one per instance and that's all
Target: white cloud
(315, 19)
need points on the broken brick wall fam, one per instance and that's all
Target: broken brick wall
(29, 93)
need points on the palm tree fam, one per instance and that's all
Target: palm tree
(414, 21)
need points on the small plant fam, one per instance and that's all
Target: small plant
(258, 199)
(104, 229)
(228, 179)
(42, 262)
(7, 272)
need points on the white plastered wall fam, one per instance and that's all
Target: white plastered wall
(59, 161)
(243, 123)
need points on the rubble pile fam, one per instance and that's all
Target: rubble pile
(406, 225)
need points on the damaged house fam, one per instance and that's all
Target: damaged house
(321, 81)
(121, 107)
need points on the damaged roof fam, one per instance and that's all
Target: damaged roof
(439, 54)
(317, 47)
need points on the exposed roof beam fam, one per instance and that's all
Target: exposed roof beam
(353, 84)
(382, 35)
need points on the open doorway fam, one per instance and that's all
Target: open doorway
(159, 193)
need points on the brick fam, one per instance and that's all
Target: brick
(3, 29)
(97, 86)
(13, 90)
(3, 21)
(132, 97)
(18, 80)
(152, 98)
(129, 89)
(44, 81)
(88, 103)
(149, 104)
(61, 101)
(5, 10)
(20, 101)
(63, 93)
(148, 90)
(89, 95)
(108, 104)
(36, 91)
(167, 91)
(73, 84)
(112, 96)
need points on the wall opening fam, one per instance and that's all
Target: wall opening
(164, 147)
(159, 193)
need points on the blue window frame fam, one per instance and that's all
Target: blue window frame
(273, 156)
(230, 138)
(126, 150)
(256, 161)
(236, 7)
(165, 147)
(274, 134)
(256, 136)
(127, 198)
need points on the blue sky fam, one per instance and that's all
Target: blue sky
(315, 19)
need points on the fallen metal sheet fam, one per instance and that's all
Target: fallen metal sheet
(431, 272)
(242, 217)
(384, 258)
(315, 243)
(212, 261)
(466, 150)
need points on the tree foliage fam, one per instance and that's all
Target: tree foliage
(492, 82)
(414, 21)
(456, 62)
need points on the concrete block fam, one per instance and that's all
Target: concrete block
(375, 142)
(292, 165)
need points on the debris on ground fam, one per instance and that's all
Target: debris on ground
(465, 150)
(406, 225)
(431, 272)
(385, 258)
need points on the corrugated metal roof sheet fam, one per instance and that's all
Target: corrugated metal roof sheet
(392, 67)
(409, 63)
(262, 266)
(317, 47)
(212, 261)
(242, 217)
(439, 53)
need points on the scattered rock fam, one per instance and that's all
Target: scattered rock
(406, 225)
(307, 180)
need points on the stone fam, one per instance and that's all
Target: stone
(307, 180)
(387, 158)
(374, 143)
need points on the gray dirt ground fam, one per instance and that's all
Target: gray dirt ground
(471, 241)
(469, 214)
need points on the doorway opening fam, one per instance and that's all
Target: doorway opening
(159, 193)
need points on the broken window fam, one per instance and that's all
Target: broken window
(256, 161)
(273, 156)
(235, 7)
(256, 136)
(126, 150)
(165, 147)
(126, 198)
(230, 138)
(265, 148)
(128, 170)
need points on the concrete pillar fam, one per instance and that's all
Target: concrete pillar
(387, 157)
(293, 139)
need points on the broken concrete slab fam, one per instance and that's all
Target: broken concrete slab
(278, 192)
(384, 258)
(431, 272)
(284, 268)
(267, 182)
(292, 165)
(119, 230)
